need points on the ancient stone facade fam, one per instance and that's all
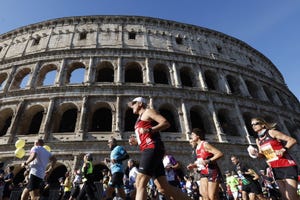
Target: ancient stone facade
(194, 76)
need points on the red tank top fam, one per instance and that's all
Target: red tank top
(268, 146)
(147, 140)
(202, 154)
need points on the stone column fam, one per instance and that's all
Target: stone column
(10, 43)
(118, 71)
(81, 126)
(202, 85)
(26, 45)
(185, 119)
(11, 132)
(224, 83)
(221, 136)
(60, 74)
(242, 123)
(34, 73)
(89, 71)
(244, 87)
(9, 79)
(148, 72)
(46, 123)
(118, 115)
(175, 75)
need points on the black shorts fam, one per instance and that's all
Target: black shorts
(34, 183)
(281, 173)
(116, 180)
(151, 163)
(213, 175)
(252, 187)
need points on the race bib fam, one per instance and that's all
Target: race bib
(269, 152)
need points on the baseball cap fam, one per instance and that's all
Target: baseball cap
(138, 99)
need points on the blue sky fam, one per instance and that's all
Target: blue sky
(270, 26)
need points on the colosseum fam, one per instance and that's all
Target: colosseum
(72, 78)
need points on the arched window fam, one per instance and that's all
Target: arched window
(130, 120)
(21, 79)
(233, 84)
(105, 72)
(102, 120)
(200, 119)
(252, 88)
(186, 77)
(75, 73)
(211, 80)
(47, 75)
(168, 114)
(133, 73)
(31, 120)
(5, 120)
(269, 94)
(68, 121)
(227, 122)
(36, 123)
(3, 78)
(160, 74)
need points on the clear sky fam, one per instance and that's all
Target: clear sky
(270, 26)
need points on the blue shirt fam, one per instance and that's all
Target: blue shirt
(115, 154)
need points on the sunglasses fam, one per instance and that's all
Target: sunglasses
(134, 102)
(254, 124)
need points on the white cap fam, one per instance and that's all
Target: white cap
(138, 99)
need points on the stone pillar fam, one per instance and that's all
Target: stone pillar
(81, 126)
(175, 75)
(118, 71)
(224, 83)
(11, 132)
(202, 85)
(242, 123)
(10, 43)
(118, 115)
(148, 72)
(46, 123)
(244, 87)
(34, 73)
(60, 74)
(221, 136)
(185, 120)
(9, 80)
(89, 71)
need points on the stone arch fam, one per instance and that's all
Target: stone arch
(133, 73)
(19, 77)
(252, 88)
(31, 120)
(169, 112)
(58, 172)
(72, 69)
(65, 118)
(269, 94)
(97, 171)
(43, 72)
(3, 79)
(200, 118)
(226, 119)
(187, 77)
(129, 120)
(105, 72)
(247, 116)
(6, 116)
(211, 80)
(161, 74)
(101, 118)
(234, 84)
